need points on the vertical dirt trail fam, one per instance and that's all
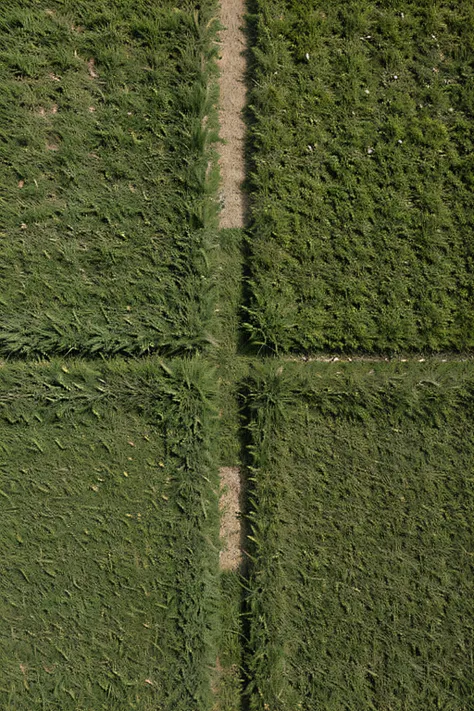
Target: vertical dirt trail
(229, 505)
(232, 66)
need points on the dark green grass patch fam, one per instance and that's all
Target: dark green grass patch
(109, 572)
(363, 175)
(363, 537)
(107, 173)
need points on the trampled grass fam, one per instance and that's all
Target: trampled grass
(107, 173)
(109, 572)
(362, 182)
(363, 509)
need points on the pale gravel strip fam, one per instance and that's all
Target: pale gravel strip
(415, 358)
(232, 66)
(231, 527)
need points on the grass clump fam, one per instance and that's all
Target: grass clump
(362, 537)
(108, 176)
(362, 177)
(109, 584)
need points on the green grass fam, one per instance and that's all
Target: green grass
(362, 537)
(228, 679)
(231, 368)
(362, 184)
(361, 498)
(108, 210)
(109, 585)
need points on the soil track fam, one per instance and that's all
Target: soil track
(231, 554)
(232, 66)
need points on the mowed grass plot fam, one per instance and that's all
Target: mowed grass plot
(109, 572)
(360, 595)
(107, 211)
(362, 179)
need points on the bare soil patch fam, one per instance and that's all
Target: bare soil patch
(230, 508)
(91, 67)
(232, 65)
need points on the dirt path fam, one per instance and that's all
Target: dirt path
(230, 507)
(232, 65)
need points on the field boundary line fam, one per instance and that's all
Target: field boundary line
(233, 95)
(438, 358)
(230, 557)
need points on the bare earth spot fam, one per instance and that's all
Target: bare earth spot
(230, 531)
(92, 71)
(232, 67)
(53, 110)
(216, 677)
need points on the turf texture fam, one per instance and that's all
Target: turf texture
(108, 175)
(362, 537)
(109, 587)
(361, 182)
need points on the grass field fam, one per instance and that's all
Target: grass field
(362, 517)
(362, 178)
(354, 591)
(108, 176)
(109, 588)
